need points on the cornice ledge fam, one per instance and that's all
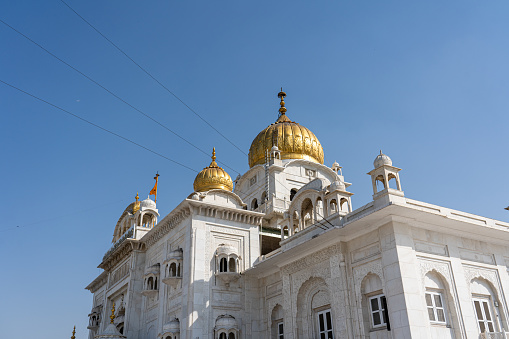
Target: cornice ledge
(226, 212)
(101, 280)
(120, 253)
(181, 212)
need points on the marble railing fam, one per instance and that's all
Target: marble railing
(494, 335)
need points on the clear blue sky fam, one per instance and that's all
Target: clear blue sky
(426, 82)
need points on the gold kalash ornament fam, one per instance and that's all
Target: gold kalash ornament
(213, 177)
(112, 316)
(293, 140)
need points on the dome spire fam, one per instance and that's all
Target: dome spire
(282, 95)
(213, 163)
(73, 332)
(282, 110)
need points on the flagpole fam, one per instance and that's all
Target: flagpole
(157, 178)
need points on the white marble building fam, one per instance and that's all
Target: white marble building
(285, 255)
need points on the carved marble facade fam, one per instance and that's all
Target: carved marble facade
(286, 254)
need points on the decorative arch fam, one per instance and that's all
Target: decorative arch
(360, 273)
(254, 204)
(333, 206)
(307, 212)
(263, 198)
(313, 296)
(393, 181)
(276, 318)
(490, 280)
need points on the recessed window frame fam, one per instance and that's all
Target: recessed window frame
(326, 332)
(484, 302)
(434, 309)
(380, 311)
(280, 330)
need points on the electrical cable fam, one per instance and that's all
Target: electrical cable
(61, 216)
(125, 102)
(111, 93)
(151, 76)
(98, 126)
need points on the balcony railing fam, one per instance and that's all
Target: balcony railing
(494, 335)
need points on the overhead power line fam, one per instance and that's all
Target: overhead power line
(152, 77)
(120, 136)
(112, 93)
(98, 126)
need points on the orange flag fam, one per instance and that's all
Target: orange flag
(154, 190)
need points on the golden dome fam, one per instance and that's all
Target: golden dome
(213, 177)
(293, 140)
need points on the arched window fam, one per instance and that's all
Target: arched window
(380, 183)
(293, 191)
(232, 265)
(222, 335)
(435, 299)
(343, 205)
(155, 284)
(223, 265)
(231, 335)
(264, 198)
(173, 269)
(150, 283)
(254, 204)
(319, 208)
(277, 328)
(374, 303)
(147, 220)
(484, 308)
(178, 270)
(307, 212)
(333, 206)
(393, 181)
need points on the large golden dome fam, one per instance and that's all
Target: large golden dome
(293, 140)
(213, 177)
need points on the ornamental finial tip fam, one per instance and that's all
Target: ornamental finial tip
(137, 197)
(213, 163)
(282, 95)
(112, 316)
(73, 332)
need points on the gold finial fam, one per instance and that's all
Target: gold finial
(282, 95)
(73, 332)
(136, 206)
(213, 163)
(112, 316)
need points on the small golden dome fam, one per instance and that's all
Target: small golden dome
(293, 140)
(213, 177)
